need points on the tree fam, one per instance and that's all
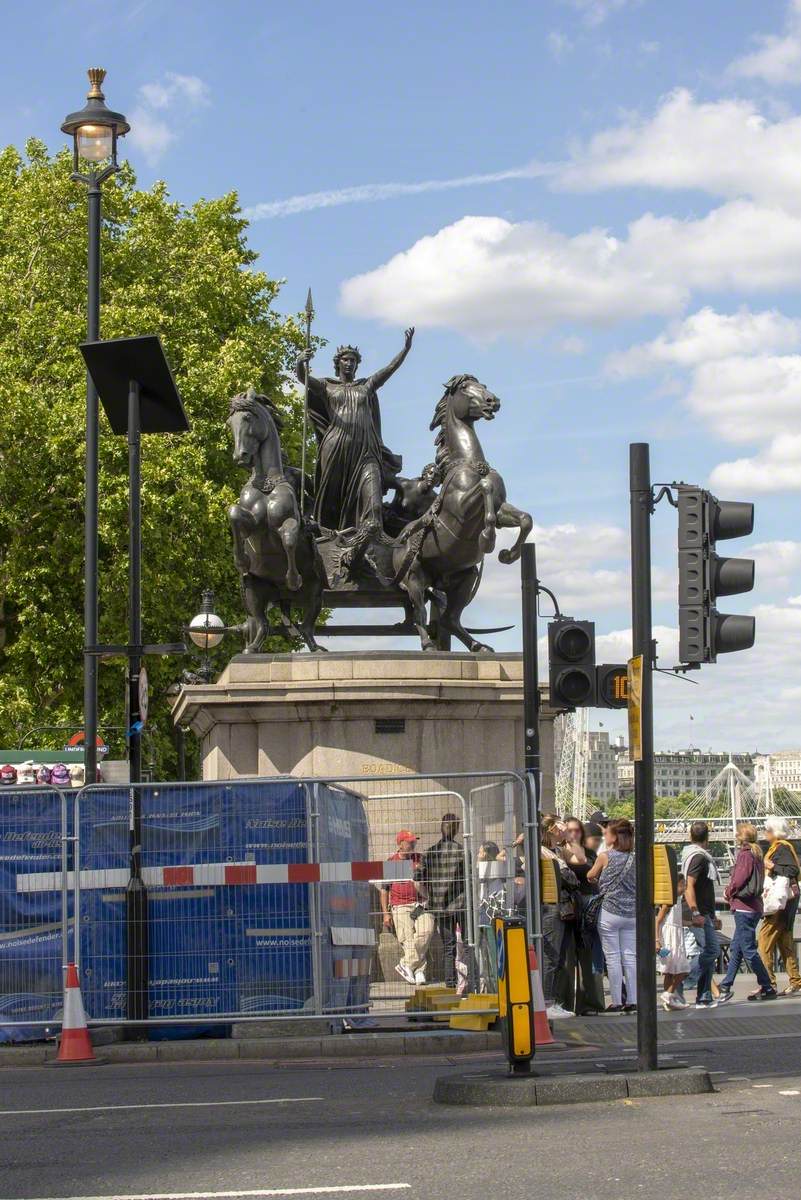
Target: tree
(187, 274)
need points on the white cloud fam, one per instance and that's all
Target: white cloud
(164, 93)
(778, 58)
(572, 345)
(586, 566)
(559, 44)
(487, 277)
(707, 336)
(776, 468)
(767, 676)
(369, 193)
(151, 134)
(776, 563)
(747, 399)
(177, 94)
(595, 12)
(726, 148)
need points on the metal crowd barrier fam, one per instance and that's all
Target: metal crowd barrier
(266, 898)
(36, 928)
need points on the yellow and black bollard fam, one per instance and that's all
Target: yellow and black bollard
(514, 993)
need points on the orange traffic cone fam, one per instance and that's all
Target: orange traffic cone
(75, 1045)
(542, 1030)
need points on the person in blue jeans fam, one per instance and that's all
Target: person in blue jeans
(744, 894)
(701, 875)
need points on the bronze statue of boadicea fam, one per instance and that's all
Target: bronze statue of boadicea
(354, 467)
(424, 548)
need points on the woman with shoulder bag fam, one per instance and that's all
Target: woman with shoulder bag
(780, 905)
(617, 878)
(744, 894)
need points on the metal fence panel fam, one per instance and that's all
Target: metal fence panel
(462, 880)
(35, 923)
(268, 897)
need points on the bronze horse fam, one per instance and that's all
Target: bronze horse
(274, 552)
(441, 553)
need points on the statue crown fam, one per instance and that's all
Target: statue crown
(347, 350)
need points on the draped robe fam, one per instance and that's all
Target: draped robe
(347, 422)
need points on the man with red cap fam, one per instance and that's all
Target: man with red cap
(403, 904)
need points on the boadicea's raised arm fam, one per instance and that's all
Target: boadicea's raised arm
(380, 377)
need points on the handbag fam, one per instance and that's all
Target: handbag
(775, 895)
(589, 911)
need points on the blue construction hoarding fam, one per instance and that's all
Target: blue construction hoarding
(213, 948)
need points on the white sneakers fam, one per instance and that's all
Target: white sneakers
(420, 977)
(557, 1013)
(670, 1001)
(405, 973)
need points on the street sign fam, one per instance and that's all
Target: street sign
(635, 708)
(77, 742)
(144, 694)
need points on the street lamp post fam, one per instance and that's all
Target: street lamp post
(207, 630)
(94, 130)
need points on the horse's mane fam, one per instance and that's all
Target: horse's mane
(442, 458)
(251, 402)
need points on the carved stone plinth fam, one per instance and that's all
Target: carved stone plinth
(350, 714)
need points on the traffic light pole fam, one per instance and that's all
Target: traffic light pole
(531, 738)
(642, 638)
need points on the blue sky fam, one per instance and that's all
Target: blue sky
(624, 266)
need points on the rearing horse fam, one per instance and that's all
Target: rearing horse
(442, 551)
(273, 551)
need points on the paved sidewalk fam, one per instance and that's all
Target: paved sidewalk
(737, 1018)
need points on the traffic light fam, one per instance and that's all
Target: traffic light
(571, 663)
(704, 633)
(612, 685)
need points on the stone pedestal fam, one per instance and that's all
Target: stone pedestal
(374, 713)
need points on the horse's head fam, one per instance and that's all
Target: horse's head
(468, 399)
(251, 419)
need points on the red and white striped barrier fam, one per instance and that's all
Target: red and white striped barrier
(224, 874)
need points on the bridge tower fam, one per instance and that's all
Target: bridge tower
(571, 782)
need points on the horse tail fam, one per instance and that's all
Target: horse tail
(415, 543)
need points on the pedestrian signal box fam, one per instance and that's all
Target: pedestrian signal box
(666, 875)
(515, 1004)
(612, 686)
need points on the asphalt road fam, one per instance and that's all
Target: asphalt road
(364, 1129)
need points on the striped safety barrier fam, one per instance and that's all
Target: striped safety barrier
(224, 874)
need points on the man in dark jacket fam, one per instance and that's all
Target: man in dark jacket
(776, 930)
(442, 874)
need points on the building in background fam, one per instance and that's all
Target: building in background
(681, 771)
(783, 768)
(602, 778)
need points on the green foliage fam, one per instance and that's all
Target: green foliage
(185, 273)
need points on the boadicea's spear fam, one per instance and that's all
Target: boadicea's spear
(309, 315)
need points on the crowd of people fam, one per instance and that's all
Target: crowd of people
(591, 931)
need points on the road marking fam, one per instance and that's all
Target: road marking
(761, 1085)
(341, 1189)
(791, 1092)
(28, 1112)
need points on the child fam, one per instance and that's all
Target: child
(672, 959)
